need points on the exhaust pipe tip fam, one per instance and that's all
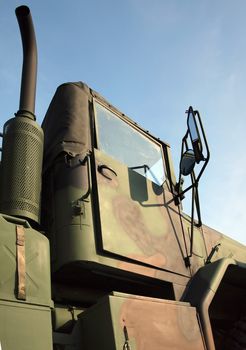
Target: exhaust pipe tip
(29, 68)
(22, 11)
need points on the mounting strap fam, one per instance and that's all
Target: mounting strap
(21, 262)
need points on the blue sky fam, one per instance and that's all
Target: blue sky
(151, 59)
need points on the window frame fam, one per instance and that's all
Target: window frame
(133, 125)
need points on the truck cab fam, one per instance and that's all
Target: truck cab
(95, 250)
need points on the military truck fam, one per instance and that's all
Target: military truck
(96, 251)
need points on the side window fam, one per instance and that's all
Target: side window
(128, 145)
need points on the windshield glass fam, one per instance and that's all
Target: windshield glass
(128, 145)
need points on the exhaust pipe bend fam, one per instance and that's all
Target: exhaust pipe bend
(29, 68)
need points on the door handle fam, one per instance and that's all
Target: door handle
(103, 167)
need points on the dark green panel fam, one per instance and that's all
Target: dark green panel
(24, 327)
(38, 288)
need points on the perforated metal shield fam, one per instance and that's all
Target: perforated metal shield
(21, 168)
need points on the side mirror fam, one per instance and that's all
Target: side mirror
(192, 150)
(194, 135)
(190, 155)
(188, 162)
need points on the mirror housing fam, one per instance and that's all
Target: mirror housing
(188, 162)
(194, 135)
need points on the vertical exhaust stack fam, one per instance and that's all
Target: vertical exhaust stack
(29, 68)
(22, 149)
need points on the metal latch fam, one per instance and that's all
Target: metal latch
(78, 208)
(126, 345)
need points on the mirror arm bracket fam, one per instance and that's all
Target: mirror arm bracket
(187, 169)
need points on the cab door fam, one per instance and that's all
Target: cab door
(138, 219)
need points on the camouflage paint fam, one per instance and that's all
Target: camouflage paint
(121, 223)
(141, 323)
(148, 231)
